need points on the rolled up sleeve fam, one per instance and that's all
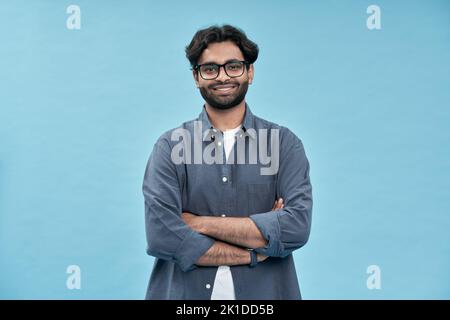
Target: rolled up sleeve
(288, 229)
(168, 236)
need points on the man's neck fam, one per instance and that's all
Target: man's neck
(226, 119)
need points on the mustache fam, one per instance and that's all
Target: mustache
(213, 86)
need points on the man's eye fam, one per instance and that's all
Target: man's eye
(209, 69)
(233, 66)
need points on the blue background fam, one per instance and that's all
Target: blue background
(81, 109)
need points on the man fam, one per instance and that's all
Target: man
(220, 224)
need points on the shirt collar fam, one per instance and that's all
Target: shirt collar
(210, 131)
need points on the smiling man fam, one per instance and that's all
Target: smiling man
(224, 225)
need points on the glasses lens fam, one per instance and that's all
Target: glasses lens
(234, 69)
(209, 71)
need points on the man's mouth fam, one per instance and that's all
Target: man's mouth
(224, 88)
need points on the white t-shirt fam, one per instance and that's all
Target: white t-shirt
(223, 288)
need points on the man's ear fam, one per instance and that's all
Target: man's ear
(251, 73)
(195, 75)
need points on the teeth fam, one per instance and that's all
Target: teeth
(224, 88)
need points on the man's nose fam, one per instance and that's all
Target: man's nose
(222, 75)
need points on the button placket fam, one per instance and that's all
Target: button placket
(227, 186)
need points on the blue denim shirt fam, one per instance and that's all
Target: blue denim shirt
(231, 189)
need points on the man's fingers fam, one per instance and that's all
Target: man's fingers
(275, 205)
(278, 204)
(261, 257)
(282, 203)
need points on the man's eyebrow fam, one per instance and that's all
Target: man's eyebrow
(213, 62)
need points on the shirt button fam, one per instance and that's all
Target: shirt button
(208, 286)
(219, 143)
(224, 179)
(223, 215)
(240, 136)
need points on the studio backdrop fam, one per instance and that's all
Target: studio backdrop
(86, 88)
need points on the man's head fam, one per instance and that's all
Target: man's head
(222, 64)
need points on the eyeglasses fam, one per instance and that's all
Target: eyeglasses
(210, 71)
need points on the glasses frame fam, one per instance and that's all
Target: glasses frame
(197, 68)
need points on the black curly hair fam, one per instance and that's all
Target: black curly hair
(212, 34)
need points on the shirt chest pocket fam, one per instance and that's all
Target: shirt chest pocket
(261, 197)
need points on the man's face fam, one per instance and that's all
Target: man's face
(223, 92)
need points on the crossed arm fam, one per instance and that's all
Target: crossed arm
(233, 235)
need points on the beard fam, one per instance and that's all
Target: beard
(223, 102)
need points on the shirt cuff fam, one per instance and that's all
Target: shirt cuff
(193, 246)
(269, 226)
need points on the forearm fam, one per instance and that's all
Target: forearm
(239, 231)
(222, 253)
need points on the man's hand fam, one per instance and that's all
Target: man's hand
(260, 257)
(278, 204)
